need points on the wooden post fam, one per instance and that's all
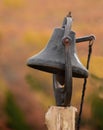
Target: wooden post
(60, 118)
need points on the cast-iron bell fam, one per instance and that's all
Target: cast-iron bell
(51, 58)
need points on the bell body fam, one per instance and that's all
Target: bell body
(52, 57)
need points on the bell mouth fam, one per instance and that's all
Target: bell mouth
(57, 68)
(49, 67)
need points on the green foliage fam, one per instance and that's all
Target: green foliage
(44, 96)
(16, 120)
(97, 112)
(34, 83)
(97, 104)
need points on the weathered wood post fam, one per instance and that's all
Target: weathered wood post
(60, 118)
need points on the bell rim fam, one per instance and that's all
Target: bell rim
(57, 68)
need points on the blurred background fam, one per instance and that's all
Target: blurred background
(25, 93)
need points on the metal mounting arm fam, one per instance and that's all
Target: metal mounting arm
(86, 38)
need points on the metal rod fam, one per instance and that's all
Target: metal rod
(86, 38)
